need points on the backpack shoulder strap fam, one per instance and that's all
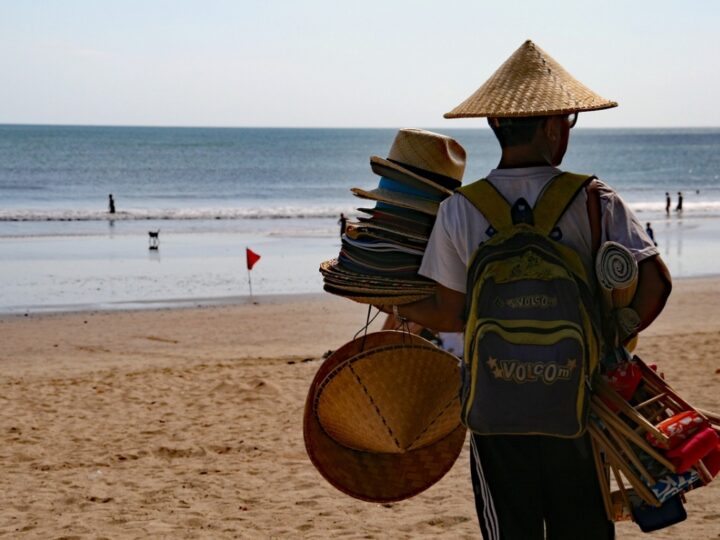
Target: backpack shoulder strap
(594, 213)
(492, 205)
(556, 198)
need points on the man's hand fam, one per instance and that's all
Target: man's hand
(442, 312)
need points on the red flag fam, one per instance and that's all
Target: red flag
(251, 257)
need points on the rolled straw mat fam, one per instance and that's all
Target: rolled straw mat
(382, 416)
(617, 273)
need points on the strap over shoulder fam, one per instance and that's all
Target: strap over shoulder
(492, 205)
(551, 205)
(556, 198)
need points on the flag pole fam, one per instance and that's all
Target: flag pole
(250, 258)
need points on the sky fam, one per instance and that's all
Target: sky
(335, 63)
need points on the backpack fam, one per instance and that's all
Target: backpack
(532, 334)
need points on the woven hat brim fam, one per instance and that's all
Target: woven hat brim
(334, 268)
(384, 215)
(384, 167)
(361, 283)
(510, 114)
(398, 199)
(374, 289)
(368, 476)
(377, 244)
(376, 299)
(371, 226)
(377, 289)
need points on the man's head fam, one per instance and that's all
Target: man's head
(540, 138)
(531, 103)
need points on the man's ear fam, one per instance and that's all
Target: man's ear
(551, 128)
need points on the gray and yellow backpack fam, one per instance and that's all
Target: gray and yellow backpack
(532, 335)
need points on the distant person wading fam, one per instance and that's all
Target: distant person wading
(343, 223)
(111, 204)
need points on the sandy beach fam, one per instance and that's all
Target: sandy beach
(187, 423)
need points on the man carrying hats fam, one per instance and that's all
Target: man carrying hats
(527, 486)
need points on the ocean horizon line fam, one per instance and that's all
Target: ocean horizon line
(455, 127)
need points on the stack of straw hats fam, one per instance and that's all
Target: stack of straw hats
(382, 250)
(382, 417)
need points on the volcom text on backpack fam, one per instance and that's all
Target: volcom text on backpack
(531, 341)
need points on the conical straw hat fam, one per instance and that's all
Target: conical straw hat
(382, 417)
(530, 83)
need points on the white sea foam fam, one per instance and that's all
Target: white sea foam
(691, 207)
(139, 214)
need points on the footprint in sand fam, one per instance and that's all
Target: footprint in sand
(161, 339)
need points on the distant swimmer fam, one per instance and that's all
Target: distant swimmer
(650, 232)
(111, 204)
(668, 202)
(679, 204)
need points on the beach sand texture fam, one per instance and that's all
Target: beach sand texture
(187, 423)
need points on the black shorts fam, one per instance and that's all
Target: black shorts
(532, 487)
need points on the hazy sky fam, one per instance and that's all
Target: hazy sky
(374, 63)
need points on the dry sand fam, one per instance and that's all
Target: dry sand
(187, 423)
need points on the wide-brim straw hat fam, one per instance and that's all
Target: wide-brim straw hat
(423, 156)
(334, 270)
(382, 416)
(375, 297)
(397, 198)
(372, 289)
(382, 230)
(530, 83)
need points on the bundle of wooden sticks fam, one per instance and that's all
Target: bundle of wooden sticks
(647, 440)
(654, 443)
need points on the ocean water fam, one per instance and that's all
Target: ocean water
(214, 191)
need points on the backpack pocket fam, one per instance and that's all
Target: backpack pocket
(526, 377)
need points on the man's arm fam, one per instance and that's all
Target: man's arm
(442, 312)
(654, 286)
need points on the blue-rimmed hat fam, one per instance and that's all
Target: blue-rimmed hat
(424, 160)
(422, 169)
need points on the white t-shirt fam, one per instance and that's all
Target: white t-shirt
(460, 227)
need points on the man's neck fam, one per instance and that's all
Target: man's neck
(518, 157)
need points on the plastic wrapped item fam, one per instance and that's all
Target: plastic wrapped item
(624, 378)
(680, 427)
(653, 518)
(693, 450)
